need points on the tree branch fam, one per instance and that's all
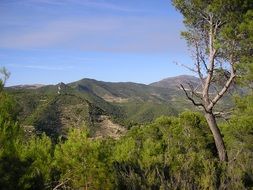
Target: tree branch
(185, 66)
(223, 114)
(222, 91)
(212, 53)
(235, 157)
(202, 58)
(194, 91)
(61, 184)
(226, 86)
(198, 66)
(190, 98)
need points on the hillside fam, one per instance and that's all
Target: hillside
(55, 109)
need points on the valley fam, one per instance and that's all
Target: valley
(54, 109)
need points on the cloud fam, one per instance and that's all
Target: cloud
(42, 67)
(54, 32)
(98, 4)
(106, 5)
(122, 34)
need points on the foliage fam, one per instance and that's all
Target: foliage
(162, 156)
(169, 153)
(4, 75)
(8, 107)
(239, 139)
(245, 70)
(81, 162)
(24, 163)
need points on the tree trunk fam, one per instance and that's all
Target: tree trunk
(221, 149)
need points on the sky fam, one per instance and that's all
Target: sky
(52, 41)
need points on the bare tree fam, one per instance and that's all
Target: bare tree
(214, 36)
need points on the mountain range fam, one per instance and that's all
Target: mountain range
(106, 108)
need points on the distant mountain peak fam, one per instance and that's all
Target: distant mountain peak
(181, 77)
(175, 82)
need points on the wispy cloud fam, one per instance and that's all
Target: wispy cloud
(66, 24)
(85, 3)
(54, 32)
(106, 5)
(42, 67)
(112, 34)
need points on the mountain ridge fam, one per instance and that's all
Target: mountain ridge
(55, 109)
(20, 86)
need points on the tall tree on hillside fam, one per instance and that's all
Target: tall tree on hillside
(215, 34)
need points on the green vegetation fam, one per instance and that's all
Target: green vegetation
(172, 152)
(82, 102)
(47, 137)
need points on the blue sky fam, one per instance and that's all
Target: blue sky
(52, 41)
